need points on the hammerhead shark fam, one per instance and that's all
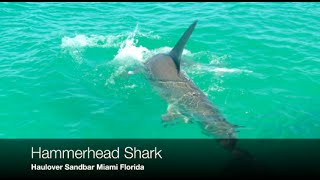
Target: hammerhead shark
(186, 101)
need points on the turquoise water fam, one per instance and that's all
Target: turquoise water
(62, 67)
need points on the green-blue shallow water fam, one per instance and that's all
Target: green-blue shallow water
(62, 66)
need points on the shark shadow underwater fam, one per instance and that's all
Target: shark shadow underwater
(186, 101)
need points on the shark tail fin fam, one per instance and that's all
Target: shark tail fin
(176, 52)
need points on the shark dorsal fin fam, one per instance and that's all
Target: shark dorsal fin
(176, 52)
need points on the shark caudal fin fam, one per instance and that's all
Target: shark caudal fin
(176, 52)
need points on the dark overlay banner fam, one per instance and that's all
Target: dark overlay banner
(157, 158)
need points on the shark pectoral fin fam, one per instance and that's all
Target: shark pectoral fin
(169, 116)
(174, 116)
(172, 119)
(169, 119)
(187, 120)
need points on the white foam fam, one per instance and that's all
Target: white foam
(75, 46)
(104, 41)
(230, 70)
(128, 55)
(218, 59)
(131, 86)
(81, 41)
(203, 68)
(216, 88)
(130, 50)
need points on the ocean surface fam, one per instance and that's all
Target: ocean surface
(63, 68)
